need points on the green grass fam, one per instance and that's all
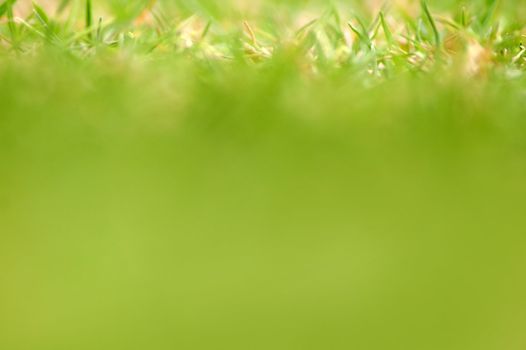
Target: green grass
(202, 176)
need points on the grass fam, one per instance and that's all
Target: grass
(303, 176)
(386, 41)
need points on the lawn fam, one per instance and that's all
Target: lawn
(262, 175)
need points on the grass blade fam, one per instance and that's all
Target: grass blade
(432, 23)
(40, 14)
(362, 34)
(99, 30)
(387, 31)
(89, 17)
(3, 9)
(488, 16)
(464, 17)
(206, 30)
(11, 19)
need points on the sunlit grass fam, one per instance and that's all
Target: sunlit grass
(262, 175)
(382, 41)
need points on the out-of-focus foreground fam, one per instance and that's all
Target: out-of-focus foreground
(191, 175)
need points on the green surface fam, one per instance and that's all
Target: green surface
(276, 193)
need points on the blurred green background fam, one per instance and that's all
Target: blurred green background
(164, 205)
(236, 8)
(513, 8)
